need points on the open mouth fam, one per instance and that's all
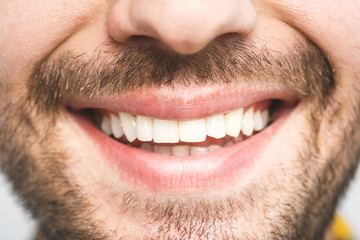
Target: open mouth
(199, 143)
(181, 138)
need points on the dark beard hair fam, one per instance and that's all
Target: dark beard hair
(33, 161)
(115, 70)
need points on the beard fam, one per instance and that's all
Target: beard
(36, 159)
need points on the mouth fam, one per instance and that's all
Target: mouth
(181, 138)
(185, 140)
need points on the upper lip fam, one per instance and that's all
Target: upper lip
(182, 102)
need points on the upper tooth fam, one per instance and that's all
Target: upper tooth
(192, 131)
(265, 117)
(261, 120)
(165, 131)
(233, 122)
(129, 126)
(116, 126)
(106, 125)
(248, 122)
(258, 124)
(144, 128)
(171, 131)
(215, 126)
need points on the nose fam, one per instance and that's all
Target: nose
(186, 26)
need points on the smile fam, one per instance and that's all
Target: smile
(199, 142)
(182, 138)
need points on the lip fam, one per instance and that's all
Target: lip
(168, 173)
(158, 172)
(182, 103)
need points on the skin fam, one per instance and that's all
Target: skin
(56, 169)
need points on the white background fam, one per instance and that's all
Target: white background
(15, 224)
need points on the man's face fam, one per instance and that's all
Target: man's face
(196, 119)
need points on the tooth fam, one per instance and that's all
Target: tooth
(129, 126)
(116, 126)
(144, 128)
(228, 144)
(258, 123)
(213, 147)
(165, 131)
(165, 150)
(265, 117)
(215, 126)
(106, 125)
(192, 131)
(198, 150)
(180, 151)
(147, 146)
(248, 123)
(233, 122)
(238, 138)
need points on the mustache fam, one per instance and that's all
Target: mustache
(303, 69)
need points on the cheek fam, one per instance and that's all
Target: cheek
(31, 30)
(332, 25)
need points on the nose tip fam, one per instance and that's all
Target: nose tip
(186, 26)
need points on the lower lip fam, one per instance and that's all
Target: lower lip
(158, 172)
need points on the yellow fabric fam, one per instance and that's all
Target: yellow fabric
(341, 229)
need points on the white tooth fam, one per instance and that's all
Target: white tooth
(147, 146)
(116, 126)
(265, 117)
(144, 128)
(238, 139)
(180, 151)
(248, 123)
(106, 125)
(192, 131)
(215, 126)
(258, 124)
(165, 131)
(213, 147)
(233, 122)
(165, 150)
(198, 150)
(129, 126)
(228, 144)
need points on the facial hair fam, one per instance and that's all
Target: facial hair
(34, 160)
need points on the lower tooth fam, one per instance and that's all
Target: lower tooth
(198, 150)
(180, 151)
(213, 147)
(147, 146)
(165, 150)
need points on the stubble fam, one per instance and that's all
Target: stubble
(34, 160)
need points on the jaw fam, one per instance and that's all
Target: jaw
(260, 195)
(130, 173)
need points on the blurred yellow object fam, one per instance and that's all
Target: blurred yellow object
(341, 229)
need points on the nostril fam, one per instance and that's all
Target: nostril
(184, 26)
